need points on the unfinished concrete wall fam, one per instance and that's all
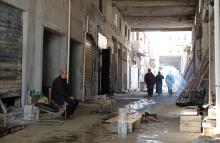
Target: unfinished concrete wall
(77, 20)
(77, 31)
(54, 16)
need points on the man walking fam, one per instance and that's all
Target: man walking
(159, 83)
(150, 80)
(170, 82)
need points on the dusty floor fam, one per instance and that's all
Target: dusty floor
(85, 127)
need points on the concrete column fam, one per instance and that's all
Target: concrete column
(217, 63)
(24, 91)
(38, 59)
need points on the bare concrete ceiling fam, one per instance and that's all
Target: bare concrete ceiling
(157, 14)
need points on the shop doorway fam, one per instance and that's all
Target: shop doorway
(51, 58)
(105, 71)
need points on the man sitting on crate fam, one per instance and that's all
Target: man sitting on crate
(60, 93)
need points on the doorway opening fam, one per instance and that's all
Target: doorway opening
(51, 58)
(105, 64)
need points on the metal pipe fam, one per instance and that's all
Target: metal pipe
(217, 64)
(68, 39)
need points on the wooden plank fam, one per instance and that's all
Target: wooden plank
(190, 112)
(186, 113)
(130, 119)
(190, 124)
(10, 51)
(10, 92)
(190, 118)
(190, 129)
(197, 79)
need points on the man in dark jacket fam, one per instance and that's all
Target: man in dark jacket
(60, 93)
(150, 80)
(159, 83)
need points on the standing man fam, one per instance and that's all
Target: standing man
(60, 93)
(159, 83)
(150, 80)
(170, 82)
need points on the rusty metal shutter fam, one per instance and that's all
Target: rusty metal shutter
(10, 51)
(88, 62)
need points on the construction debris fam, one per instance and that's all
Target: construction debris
(146, 117)
(192, 94)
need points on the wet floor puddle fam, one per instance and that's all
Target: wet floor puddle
(102, 134)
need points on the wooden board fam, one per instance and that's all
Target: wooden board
(189, 112)
(130, 119)
(190, 129)
(10, 51)
(190, 124)
(195, 81)
(190, 119)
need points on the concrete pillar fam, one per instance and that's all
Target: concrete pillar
(24, 92)
(38, 59)
(217, 63)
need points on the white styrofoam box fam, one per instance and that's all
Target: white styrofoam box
(212, 112)
(31, 112)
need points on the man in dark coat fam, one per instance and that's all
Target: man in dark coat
(159, 83)
(150, 80)
(60, 93)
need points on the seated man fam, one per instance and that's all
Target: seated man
(60, 93)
